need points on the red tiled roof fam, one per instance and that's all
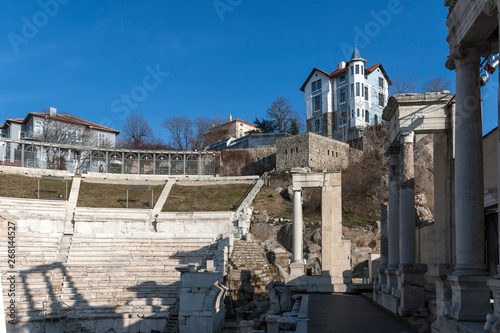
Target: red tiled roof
(374, 67)
(68, 118)
(17, 120)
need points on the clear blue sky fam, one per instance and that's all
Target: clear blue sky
(234, 59)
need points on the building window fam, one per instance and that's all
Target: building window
(357, 89)
(352, 113)
(316, 85)
(357, 69)
(362, 69)
(352, 89)
(317, 103)
(241, 132)
(343, 96)
(101, 139)
(38, 127)
(358, 113)
(375, 120)
(78, 135)
(366, 93)
(367, 116)
(381, 99)
(344, 118)
(316, 125)
(342, 78)
(363, 89)
(381, 82)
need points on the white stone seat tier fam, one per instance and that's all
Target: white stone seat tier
(106, 276)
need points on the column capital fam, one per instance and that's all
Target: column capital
(406, 136)
(465, 53)
(490, 8)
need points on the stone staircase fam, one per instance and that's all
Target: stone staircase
(249, 258)
(113, 277)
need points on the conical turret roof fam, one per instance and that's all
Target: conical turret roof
(355, 54)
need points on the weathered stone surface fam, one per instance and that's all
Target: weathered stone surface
(311, 150)
(261, 218)
(264, 231)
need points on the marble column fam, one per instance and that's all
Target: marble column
(297, 266)
(411, 275)
(384, 260)
(443, 208)
(406, 200)
(470, 300)
(494, 283)
(393, 226)
(297, 227)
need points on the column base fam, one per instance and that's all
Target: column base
(494, 285)
(296, 270)
(443, 286)
(470, 297)
(412, 302)
(382, 279)
(391, 281)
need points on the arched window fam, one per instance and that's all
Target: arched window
(375, 120)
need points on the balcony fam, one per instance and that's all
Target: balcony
(30, 135)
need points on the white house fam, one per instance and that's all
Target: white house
(341, 104)
(54, 128)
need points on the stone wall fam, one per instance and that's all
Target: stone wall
(313, 151)
(245, 161)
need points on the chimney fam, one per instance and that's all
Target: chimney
(52, 111)
(341, 65)
(230, 118)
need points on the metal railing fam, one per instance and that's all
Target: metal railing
(66, 319)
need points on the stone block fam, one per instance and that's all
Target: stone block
(470, 297)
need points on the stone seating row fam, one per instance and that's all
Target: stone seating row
(104, 277)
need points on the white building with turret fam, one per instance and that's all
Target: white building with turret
(341, 104)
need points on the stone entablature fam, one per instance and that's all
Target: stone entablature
(419, 113)
(470, 21)
(309, 150)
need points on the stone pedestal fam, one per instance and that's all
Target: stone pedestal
(296, 270)
(443, 286)
(494, 285)
(412, 301)
(272, 324)
(471, 297)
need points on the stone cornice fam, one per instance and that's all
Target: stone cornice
(433, 98)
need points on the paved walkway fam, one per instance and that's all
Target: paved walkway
(350, 313)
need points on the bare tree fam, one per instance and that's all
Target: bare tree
(63, 130)
(202, 127)
(281, 112)
(404, 85)
(436, 84)
(180, 130)
(138, 134)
